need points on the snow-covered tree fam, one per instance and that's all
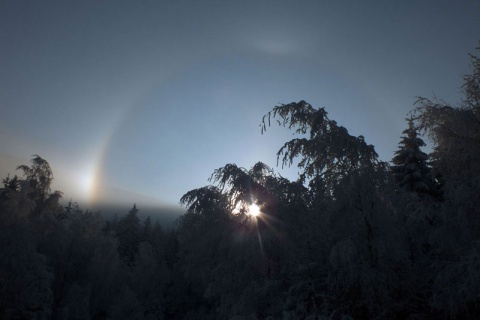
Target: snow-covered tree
(367, 248)
(128, 234)
(450, 238)
(146, 234)
(25, 276)
(328, 152)
(411, 168)
(36, 186)
(455, 131)
(150, 277)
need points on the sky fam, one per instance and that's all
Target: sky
(139, 101)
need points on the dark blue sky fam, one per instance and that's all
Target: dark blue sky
(139, 101)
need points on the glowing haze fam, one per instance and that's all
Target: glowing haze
(139, 101)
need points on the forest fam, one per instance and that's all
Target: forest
(354, 237)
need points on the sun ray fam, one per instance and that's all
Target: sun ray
(260, 242)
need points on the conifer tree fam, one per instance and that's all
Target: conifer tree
(410, 163)
(128, 233)
(147, 230)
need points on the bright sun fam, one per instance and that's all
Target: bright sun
(254, 210)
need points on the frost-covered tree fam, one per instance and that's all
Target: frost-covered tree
(455, 131)
(340, 169)
(9, 185)
(39, 176)
(25, 276)
(12, 204)
(128, 234)
(36, 186)
(146, 234)
(276, 264)
(150, 277)
(230, 256)
(200, 231)
(450, 239)
(366, 263)
(105, 276)
(411, 168)
(327, 152)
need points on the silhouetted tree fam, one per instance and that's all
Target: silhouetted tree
(9, 185)
(455, 131)
(36, 186)
(454, 226)
(128, 234)
(410, 168)
(327, 153)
